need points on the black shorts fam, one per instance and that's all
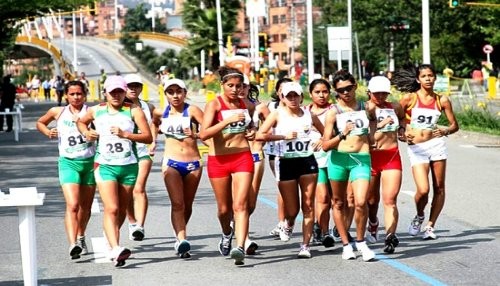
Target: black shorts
(292, 168)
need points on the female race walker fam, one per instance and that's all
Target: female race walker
(426, 145)
(270, 151)
(138, 207)
(386, 161)
(295, 163)
(319, 90)
(346, 135)
(76, 164)
(116, 125)
(250, 94)
(181, 165)
(227, 123)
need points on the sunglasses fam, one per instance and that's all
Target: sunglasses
(346, 89)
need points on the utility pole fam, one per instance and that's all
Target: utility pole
(426, 46)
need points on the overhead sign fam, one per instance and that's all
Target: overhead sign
(488, 49)
(256, 8)
(339, 42)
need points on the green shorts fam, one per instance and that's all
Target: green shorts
(76, 171)
(124, 175)
(349, 166)
(323, 175)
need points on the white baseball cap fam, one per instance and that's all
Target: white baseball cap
(288, 87)
(133, 78)
(379, 84)
(174, 81)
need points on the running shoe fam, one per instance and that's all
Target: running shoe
(305, 251)
(391, 242)
(415, 226)
(365, 251)
(335, 234)
(372, 232)
(429, 233)
(238, 254)
(327, 240)
(120, 254)
(317, 237)
(286, 232)
(225, 244)
(136, 232)
(74, 251)
(250, 247)
(348, 252)
(276, 230)
(81, 242)
(182, 248)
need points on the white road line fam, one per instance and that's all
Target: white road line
(468, 146)
(95, 207)
(99, 245)
(409, 193)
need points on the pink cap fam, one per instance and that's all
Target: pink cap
(114, 82)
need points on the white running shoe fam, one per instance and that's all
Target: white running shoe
(75, 250)
(135, 232)
(250, 247)
(429, 233)
(286, 232)
(276, 230)
(415, 226)
(372, 232)
(348, 253)
(80, 240)
(365, 251)
(305, 251)
(120, 254)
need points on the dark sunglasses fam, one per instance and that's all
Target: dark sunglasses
(345, 89)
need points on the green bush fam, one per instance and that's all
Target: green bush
(475, 120)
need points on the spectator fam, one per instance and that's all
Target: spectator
(46, 89)
(8, 96)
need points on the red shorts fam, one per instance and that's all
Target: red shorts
(221, 166)
(385, 160)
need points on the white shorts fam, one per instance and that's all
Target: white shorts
(425, 152)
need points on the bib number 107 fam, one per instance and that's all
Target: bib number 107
(297, 146)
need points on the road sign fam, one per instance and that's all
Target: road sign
(488, 49)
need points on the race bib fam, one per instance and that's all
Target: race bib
(424, 118)
(358, 117)
(382, 114)
(235, 127)
(174, 126)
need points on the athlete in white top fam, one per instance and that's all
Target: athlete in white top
(76, 160)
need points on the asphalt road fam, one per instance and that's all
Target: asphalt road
(467, 251)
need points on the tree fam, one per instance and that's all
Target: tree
(200, 18)
(457, 35)
(12, 11)
(136, 21)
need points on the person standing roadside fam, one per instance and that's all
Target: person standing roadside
(46, 89)
(426, 140)
(76, 164)
(7, 101)
(227, 126)
(386, 128)
(59, 86)
(116, 125)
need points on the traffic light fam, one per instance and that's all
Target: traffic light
(454, 3)
(262, 42)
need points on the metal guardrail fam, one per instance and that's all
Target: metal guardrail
(152, 36)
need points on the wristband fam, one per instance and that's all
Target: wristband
(341, 136)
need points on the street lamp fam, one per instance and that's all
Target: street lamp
(322, 31)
